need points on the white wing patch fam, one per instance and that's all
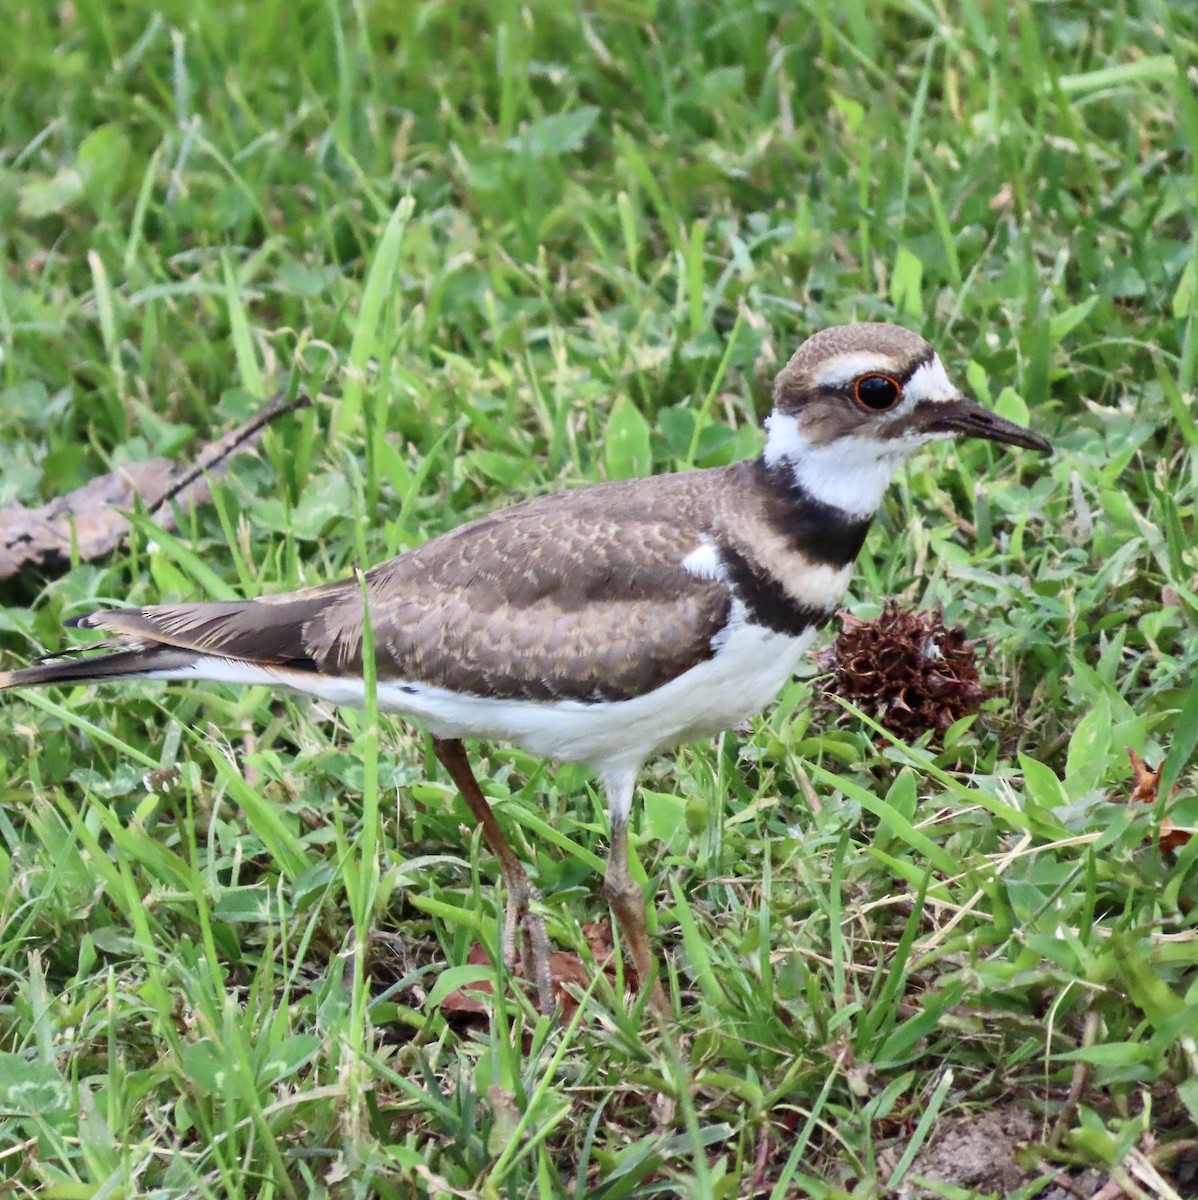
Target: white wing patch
(704, 562)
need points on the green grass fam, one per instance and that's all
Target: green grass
(509, 248)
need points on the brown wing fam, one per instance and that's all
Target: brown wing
(579, 595)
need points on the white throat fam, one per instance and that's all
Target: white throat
(850, 473)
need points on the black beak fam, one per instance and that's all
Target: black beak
(967, 418)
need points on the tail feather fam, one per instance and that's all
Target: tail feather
(255, 636)
(119, 664)
(269, 630)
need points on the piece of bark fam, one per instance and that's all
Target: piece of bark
(90, 520)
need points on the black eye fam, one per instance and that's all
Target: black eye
(877, 392)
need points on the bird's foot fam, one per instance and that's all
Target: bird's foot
(627, 902)
(534, 948)
(526, 928)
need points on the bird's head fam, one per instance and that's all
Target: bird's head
(855, 400)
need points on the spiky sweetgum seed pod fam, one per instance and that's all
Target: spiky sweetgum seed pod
(907, 669)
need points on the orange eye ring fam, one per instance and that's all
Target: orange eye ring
(876, 392)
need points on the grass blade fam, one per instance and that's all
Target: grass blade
(381, 283)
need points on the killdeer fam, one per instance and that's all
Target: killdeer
(601, 625)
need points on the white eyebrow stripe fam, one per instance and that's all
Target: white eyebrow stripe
(844, 368)
(931, 382)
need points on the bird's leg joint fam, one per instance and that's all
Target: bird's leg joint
(619, 887)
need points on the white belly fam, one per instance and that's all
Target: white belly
(750, 667)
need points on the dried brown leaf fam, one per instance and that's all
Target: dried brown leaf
(566, 969)
(89, 521)
(1145, 790)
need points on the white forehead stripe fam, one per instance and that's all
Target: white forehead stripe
(844, 368)
(930, 382)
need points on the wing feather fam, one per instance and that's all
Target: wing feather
(580, 596)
